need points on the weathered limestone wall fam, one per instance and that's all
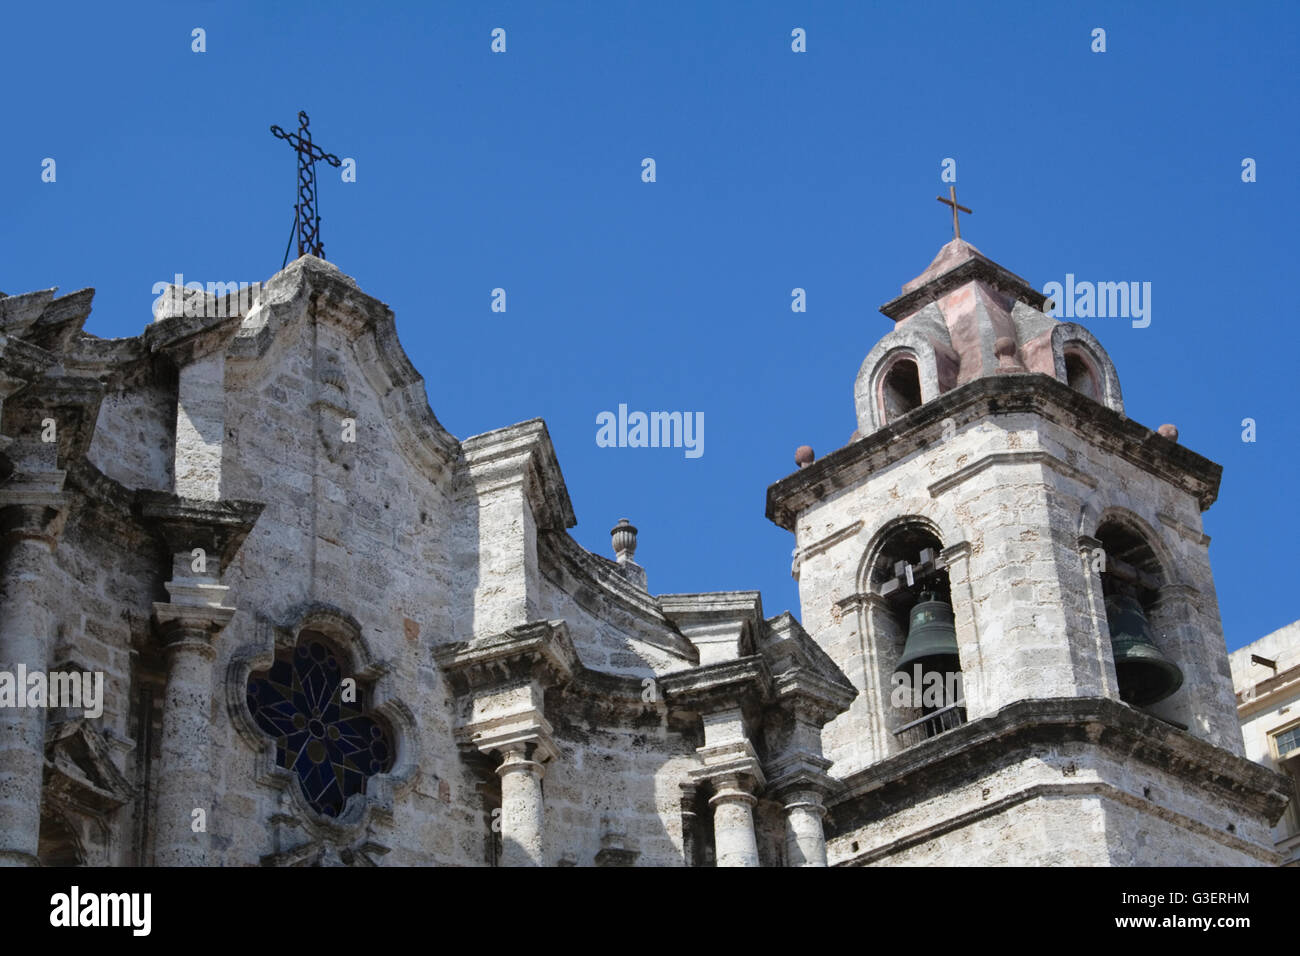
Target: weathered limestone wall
(613, 628)
(105, 576)
(617, 785)
(1019, 490)
(135, 436)
(1043, 831)
(1067, 805)
(355, 525)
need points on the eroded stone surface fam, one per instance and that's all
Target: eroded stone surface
(220, 486)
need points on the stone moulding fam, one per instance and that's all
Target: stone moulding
(986, 398)
(382, 790)
(971, 750)
(1022, 457)
(311, 287)
(521, 453)
(81, 777)
(596, 585)
(745, 682)
(219, 527)
(538, 650)
(976, 268)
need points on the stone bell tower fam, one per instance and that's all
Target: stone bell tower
(996, 505)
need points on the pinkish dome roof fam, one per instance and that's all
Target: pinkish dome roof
(966, 317)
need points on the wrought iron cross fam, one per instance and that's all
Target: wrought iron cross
(952, 201)
(306, 218)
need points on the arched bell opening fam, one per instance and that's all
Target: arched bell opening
(1131, 580)
(920, 667)
(900, 389)
(1080, 374)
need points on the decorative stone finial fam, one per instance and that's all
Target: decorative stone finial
(1169, 431)
(804, 456)
(623, 536)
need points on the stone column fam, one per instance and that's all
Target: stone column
(31, 529)
(689, 822)
(733, 822)
(805, 841)
(202, 538)
(185, 767)
(500, 682)
(522, 807)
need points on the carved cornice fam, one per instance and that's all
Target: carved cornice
(539, 651)
(745, 683)
(18, 313)
(983, 398)
(977, 268)
(521, 453)
(219, 527)
(79, 769)
(71, 401)
(187, 339)
(1024, 727)
(805, 680)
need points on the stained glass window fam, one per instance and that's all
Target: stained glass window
(331, 744)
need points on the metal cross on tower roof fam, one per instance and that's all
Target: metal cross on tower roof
(952, 201)
(306, 218)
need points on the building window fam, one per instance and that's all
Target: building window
(1288, 742)
(318, 718)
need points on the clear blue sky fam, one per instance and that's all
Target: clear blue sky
(775, 170)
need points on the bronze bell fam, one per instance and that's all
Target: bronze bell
(1145, 675)
(931, 638)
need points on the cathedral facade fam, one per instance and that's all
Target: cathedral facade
(266, 610)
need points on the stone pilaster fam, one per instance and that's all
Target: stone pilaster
(184, 778)
(202, 537)
(727, 698)
(523, 749)
(810, 692)
(515, 491)
(51, 417)
(690, 821)
(731, 768)
(31, 521)
(500, 683)
(196, 345)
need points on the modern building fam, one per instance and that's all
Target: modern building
(1266, 676)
